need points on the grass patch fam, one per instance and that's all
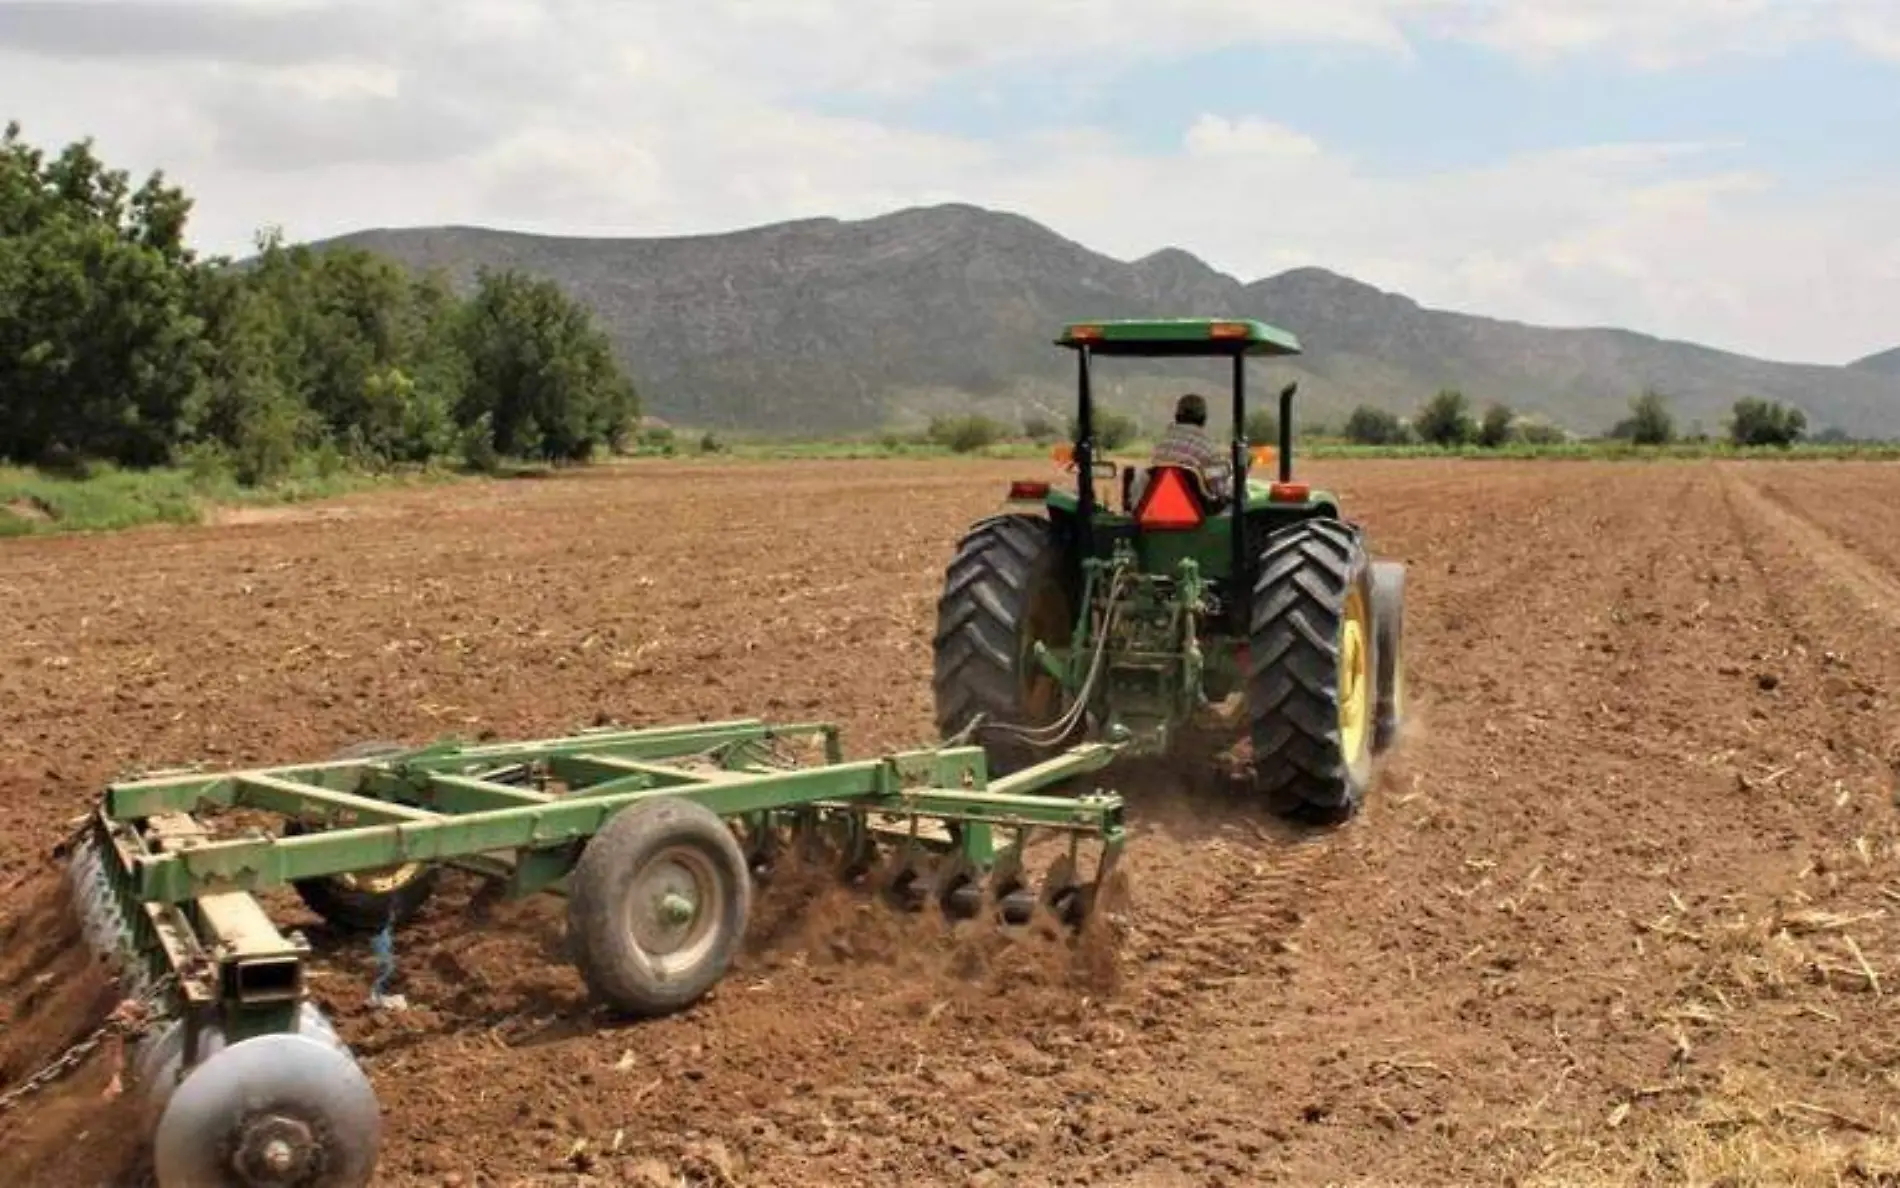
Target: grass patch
(108, 499)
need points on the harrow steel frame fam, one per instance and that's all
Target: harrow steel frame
(173, 900)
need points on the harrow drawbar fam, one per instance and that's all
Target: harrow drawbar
(655, 837)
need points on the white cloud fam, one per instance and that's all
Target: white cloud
(625, 118)
(1248, 137)
(1661, 34)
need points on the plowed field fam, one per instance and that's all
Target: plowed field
(1622, 908)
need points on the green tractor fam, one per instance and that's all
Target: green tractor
(1066, 616)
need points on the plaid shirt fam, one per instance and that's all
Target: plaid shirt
(1188, 445)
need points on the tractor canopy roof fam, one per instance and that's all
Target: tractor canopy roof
(1178, 337)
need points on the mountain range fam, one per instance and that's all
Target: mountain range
(1885, 363)
(830, 326)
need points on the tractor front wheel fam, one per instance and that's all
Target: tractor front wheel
(1312, 665)
(1004, 592)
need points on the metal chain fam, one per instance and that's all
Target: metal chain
(66, 844)
(129, 1019)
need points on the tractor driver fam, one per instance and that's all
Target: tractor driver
(1186, 444)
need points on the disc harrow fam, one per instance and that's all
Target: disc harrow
(655, 837)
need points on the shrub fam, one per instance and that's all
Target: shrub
(1760, 422)
(656, 439)
(1374, 426)
(1495, 429)
(1445, 420)
(1649, 422)
(1113, 430)
(1263, 426)
(964, 435)
(1536, 432)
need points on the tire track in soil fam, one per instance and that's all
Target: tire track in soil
(1519, 1019)
(1851, 502)
(1828, 654)
(1877, 589)
(1493, 859)
(1837, 667)
(1244, 883)
(1239, 899)
(1719, 973)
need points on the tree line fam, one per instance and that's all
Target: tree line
(119, 344)
(1447, 420)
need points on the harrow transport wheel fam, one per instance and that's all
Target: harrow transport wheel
(1312, 664)
(1388, 617)
(367, 901)
(1003, 593)
(657, 906)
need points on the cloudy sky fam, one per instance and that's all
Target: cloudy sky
(1721, 170)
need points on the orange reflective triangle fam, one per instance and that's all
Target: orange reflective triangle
(1169, 502)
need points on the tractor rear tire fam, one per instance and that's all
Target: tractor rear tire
(1003, 591)
(368, 901)
(1312, 660)
(1388, 616)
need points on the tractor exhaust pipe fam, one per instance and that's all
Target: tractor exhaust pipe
(1286, 431)
(1240, 564)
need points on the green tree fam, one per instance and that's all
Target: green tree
(1374, 426)
(1495, 428)
(1038, 428)
(1445, 420)
(117, 343)
(101, 354)
(1757, 422)
(252, 417)
(540, 370)
(1113, 430)
(966, 434)
(1650, 421)
(1263, 426)
(1532, 431)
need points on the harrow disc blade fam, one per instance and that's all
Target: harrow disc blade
(282, 1109)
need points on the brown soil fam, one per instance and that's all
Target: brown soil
(1622, 908)
(80, 1129)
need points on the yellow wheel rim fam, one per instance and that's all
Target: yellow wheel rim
(380, 882)
(1355, 678)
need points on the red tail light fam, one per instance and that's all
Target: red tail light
(1169, 503)
(1028, 489)
(1289, 492)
